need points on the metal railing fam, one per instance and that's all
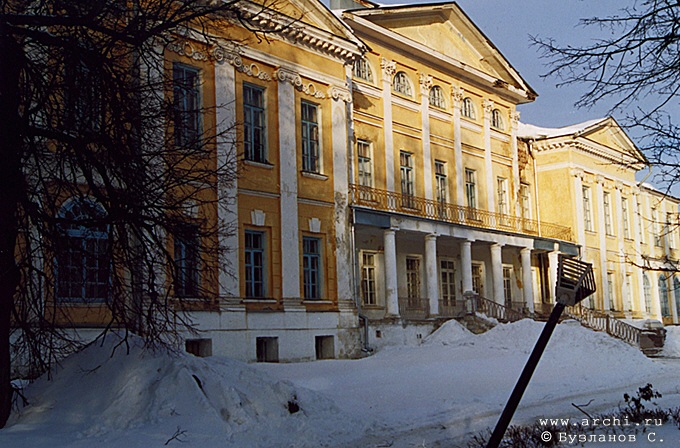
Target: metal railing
(443, 211)
(452, 308)
(496, 310)
(603, 322)
(414, 308)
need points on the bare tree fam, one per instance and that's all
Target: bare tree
(634, 68)
(109, 178)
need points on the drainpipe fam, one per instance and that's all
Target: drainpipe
(538, 202)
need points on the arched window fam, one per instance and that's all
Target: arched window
(437, 97)
(401, 84)
(83, 259)
(647, 290)
(362, 70)
(664, 298)
(496, 119)
(467, 108)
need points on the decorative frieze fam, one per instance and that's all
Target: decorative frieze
(294, 78)
(338, 93)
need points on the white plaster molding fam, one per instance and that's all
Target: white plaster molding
(389, 69)
(426, 83)
(340, 93)
(457, 95)
(257, 217)
(314, 225)
(294, 78)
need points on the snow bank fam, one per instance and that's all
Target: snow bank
(101, 397)
(671, 347)
(450, 333)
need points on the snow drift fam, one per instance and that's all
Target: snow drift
(103, 397)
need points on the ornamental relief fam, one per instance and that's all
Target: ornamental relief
(294, 78)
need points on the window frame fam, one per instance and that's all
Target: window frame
(587, 208)
(471, 188)
(186, 243)
(607, 205)
(310, 137)
(312, 268)
(436, 98)
(250, 129)
(401, 84)
(183, 112)
(467, 108)
(407, 177)
(254, 265)
(369, 296)
(497, 120)
(72, 267)
(366, 74)
(625, 219)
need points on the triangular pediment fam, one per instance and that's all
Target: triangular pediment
(447, 30)
(610, 134)
(314, 13)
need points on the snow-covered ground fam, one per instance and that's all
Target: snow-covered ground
(436, 394)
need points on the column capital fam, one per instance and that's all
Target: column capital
(389, 67)
(487, 105)
(577, 172)
(425, 84)
(457, 95)
(431, 236)
(525, 250)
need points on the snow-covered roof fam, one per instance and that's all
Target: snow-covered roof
(526, 130)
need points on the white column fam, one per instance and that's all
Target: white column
(553, 261)
(604, 285)
(343, 266)
(457, 96)
(497, 273)
(466, 264)
(391, 286)
(637, 224)
(388, 70)
(227, 198)
(431, 273)
(488, 165)
(514, 123)
(527, 280)
(425, 85)
(290, 247)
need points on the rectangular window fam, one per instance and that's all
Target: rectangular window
(502, 192)
(627, 298)
(525, 197)
(310, 138)
(83, 96)
(610, 292)
(407, 179)
(311, 267)
(655, 228)
(368, 296)
(254, 124)
(668, 234)
(441, 185)
(608, 227)
(471, 187)
(587, 209)
(447, 282)
(477, 281)
(255, 264)
(625, 219)
(413, 277)
(186, 102)
(507, 285)
(187, 261)
(365, 169)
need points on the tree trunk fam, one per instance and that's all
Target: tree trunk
(10, 187)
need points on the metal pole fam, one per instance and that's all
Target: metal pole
(524, 378)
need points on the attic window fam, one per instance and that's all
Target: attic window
(437, 97)
(401, 84)
(467, 108)
(362, 70)
(496, 119)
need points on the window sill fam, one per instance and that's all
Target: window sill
(254, 300)
(312, 175)
(317, 302)
(265, 165)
